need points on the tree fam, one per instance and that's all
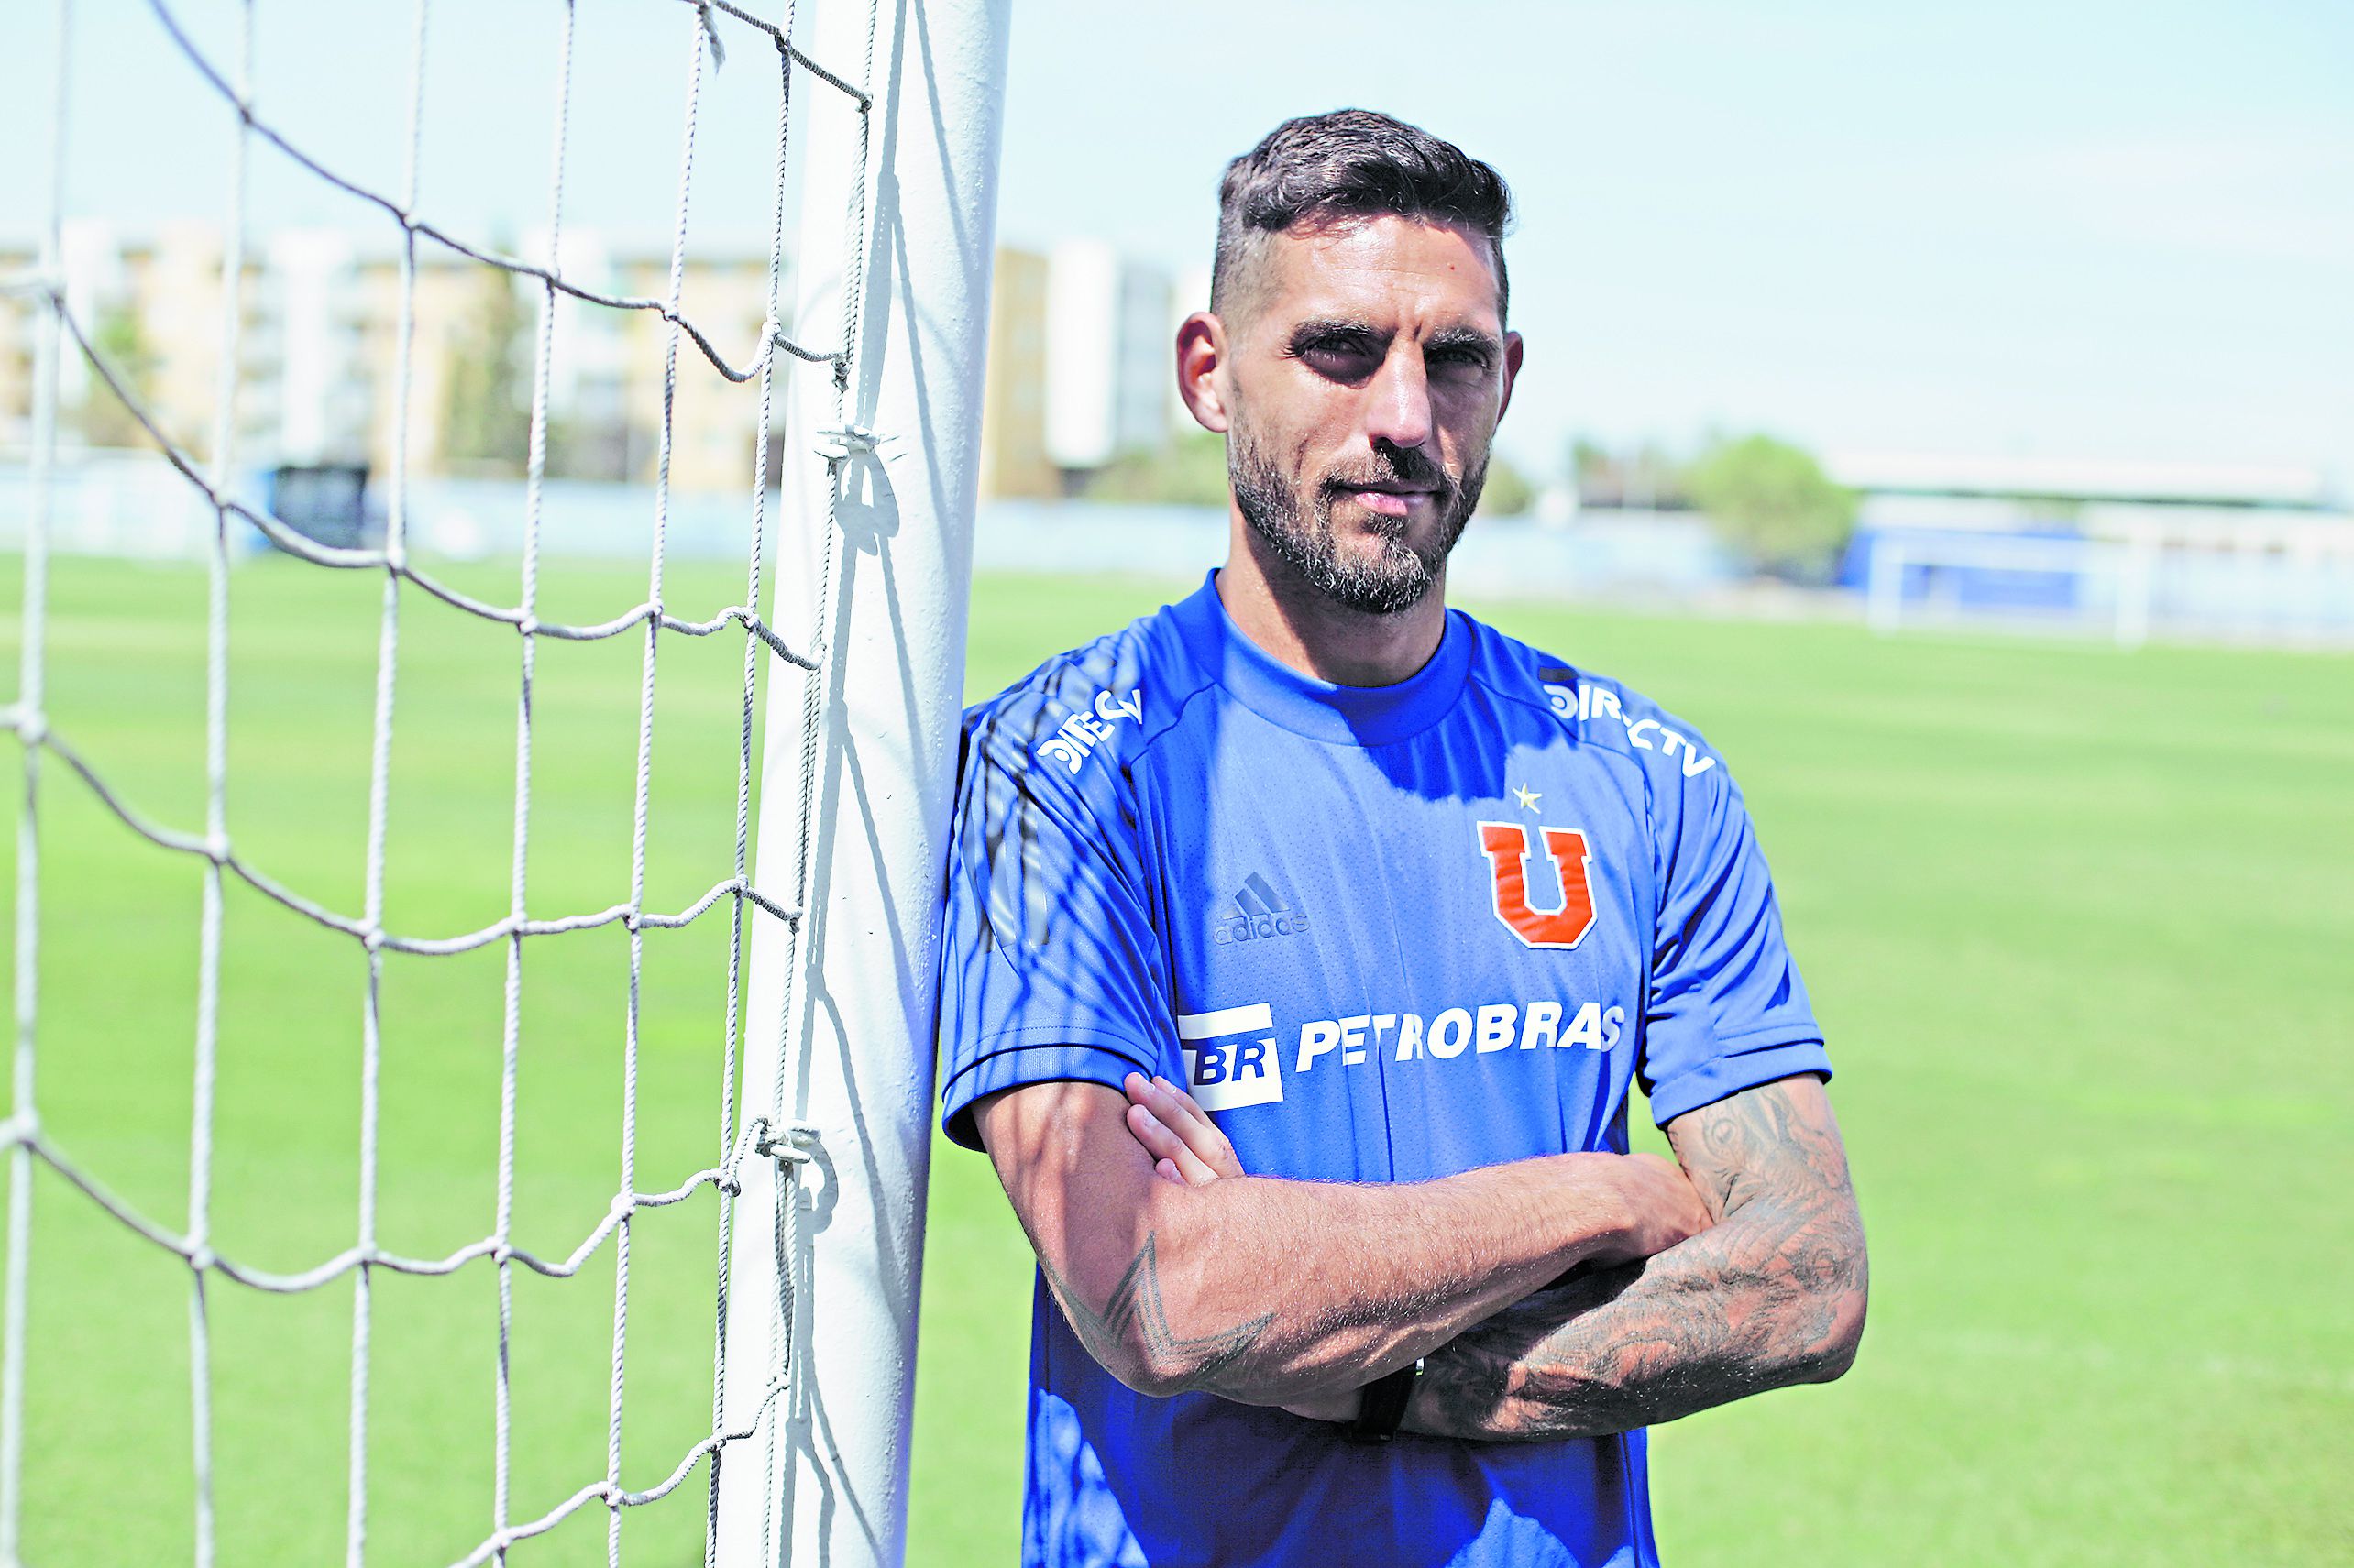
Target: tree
(1771, 501)
(119, 339)
(1189, 472)
(1588, 459)
(1507, 493)
(1646, 478)
(487, 421)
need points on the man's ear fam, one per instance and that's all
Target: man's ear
(1511, 369)
(1201, 356)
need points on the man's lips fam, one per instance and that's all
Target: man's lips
(1386, 501)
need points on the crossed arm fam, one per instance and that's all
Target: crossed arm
(1277, 1292)
(1771, 1294)
(1610, 1326)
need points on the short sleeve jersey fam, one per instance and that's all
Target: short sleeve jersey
(1382, 934)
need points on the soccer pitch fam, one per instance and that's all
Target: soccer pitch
(2077, 925)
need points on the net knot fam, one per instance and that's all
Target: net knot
(528, 625)
(372, 938)
(216, 848)
(848, 441)
(624, 1205)
(795, 1145)
(711, 34)
(32, 725)
(202, 1257)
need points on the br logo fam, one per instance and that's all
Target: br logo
(1230, 1056)
(1509, 846)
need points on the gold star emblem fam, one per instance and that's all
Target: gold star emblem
(1526, 796)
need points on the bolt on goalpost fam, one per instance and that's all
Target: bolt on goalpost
(881, 473)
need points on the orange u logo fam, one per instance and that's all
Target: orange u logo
(1507, 846)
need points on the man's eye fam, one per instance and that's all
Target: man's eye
(1339, 355)
(1469, 361)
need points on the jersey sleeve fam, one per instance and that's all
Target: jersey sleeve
(1727, 1011)
(1050, 967)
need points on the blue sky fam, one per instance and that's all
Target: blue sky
(2064, 229)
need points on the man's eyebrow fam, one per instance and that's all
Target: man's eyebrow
(1323, 329)
(1466, 337)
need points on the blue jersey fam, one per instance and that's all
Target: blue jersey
(1382, 934)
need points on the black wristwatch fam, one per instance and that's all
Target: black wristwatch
(1383, 1406)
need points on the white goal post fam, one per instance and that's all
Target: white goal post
(891, 457)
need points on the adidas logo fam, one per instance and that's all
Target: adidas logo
(1257, 913)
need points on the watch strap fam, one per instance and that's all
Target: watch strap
(1382, 1404)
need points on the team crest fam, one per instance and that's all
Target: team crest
(1509, 847)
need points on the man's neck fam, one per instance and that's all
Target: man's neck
(1291, 623)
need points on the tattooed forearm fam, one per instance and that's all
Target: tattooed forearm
(1132, 1332)
(1772, 1294)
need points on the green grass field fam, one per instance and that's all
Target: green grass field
(2078, 923)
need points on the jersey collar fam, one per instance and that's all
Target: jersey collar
(1346, 716)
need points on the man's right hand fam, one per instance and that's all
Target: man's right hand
(1186, 1147)
(1666, 1206)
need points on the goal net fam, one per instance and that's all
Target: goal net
(448, 1126)
(2239, 576)
(2050, 583)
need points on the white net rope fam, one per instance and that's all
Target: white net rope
(744, 1136)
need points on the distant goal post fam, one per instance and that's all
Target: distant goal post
(2085, 585)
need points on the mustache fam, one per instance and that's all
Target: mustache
(1407, 466)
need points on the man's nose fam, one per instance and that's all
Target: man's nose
(1397, 405)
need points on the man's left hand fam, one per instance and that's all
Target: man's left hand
(1186, 1147)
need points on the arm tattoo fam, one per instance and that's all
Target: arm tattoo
(1134, 1324)
(1772, 1294)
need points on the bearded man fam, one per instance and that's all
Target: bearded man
(1311, 877)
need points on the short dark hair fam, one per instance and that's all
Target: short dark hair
(1352, 163)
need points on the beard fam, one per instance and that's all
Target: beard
(1393, 579)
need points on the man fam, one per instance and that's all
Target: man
(1406, 907)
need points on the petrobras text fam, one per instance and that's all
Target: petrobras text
(1233, 1058)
